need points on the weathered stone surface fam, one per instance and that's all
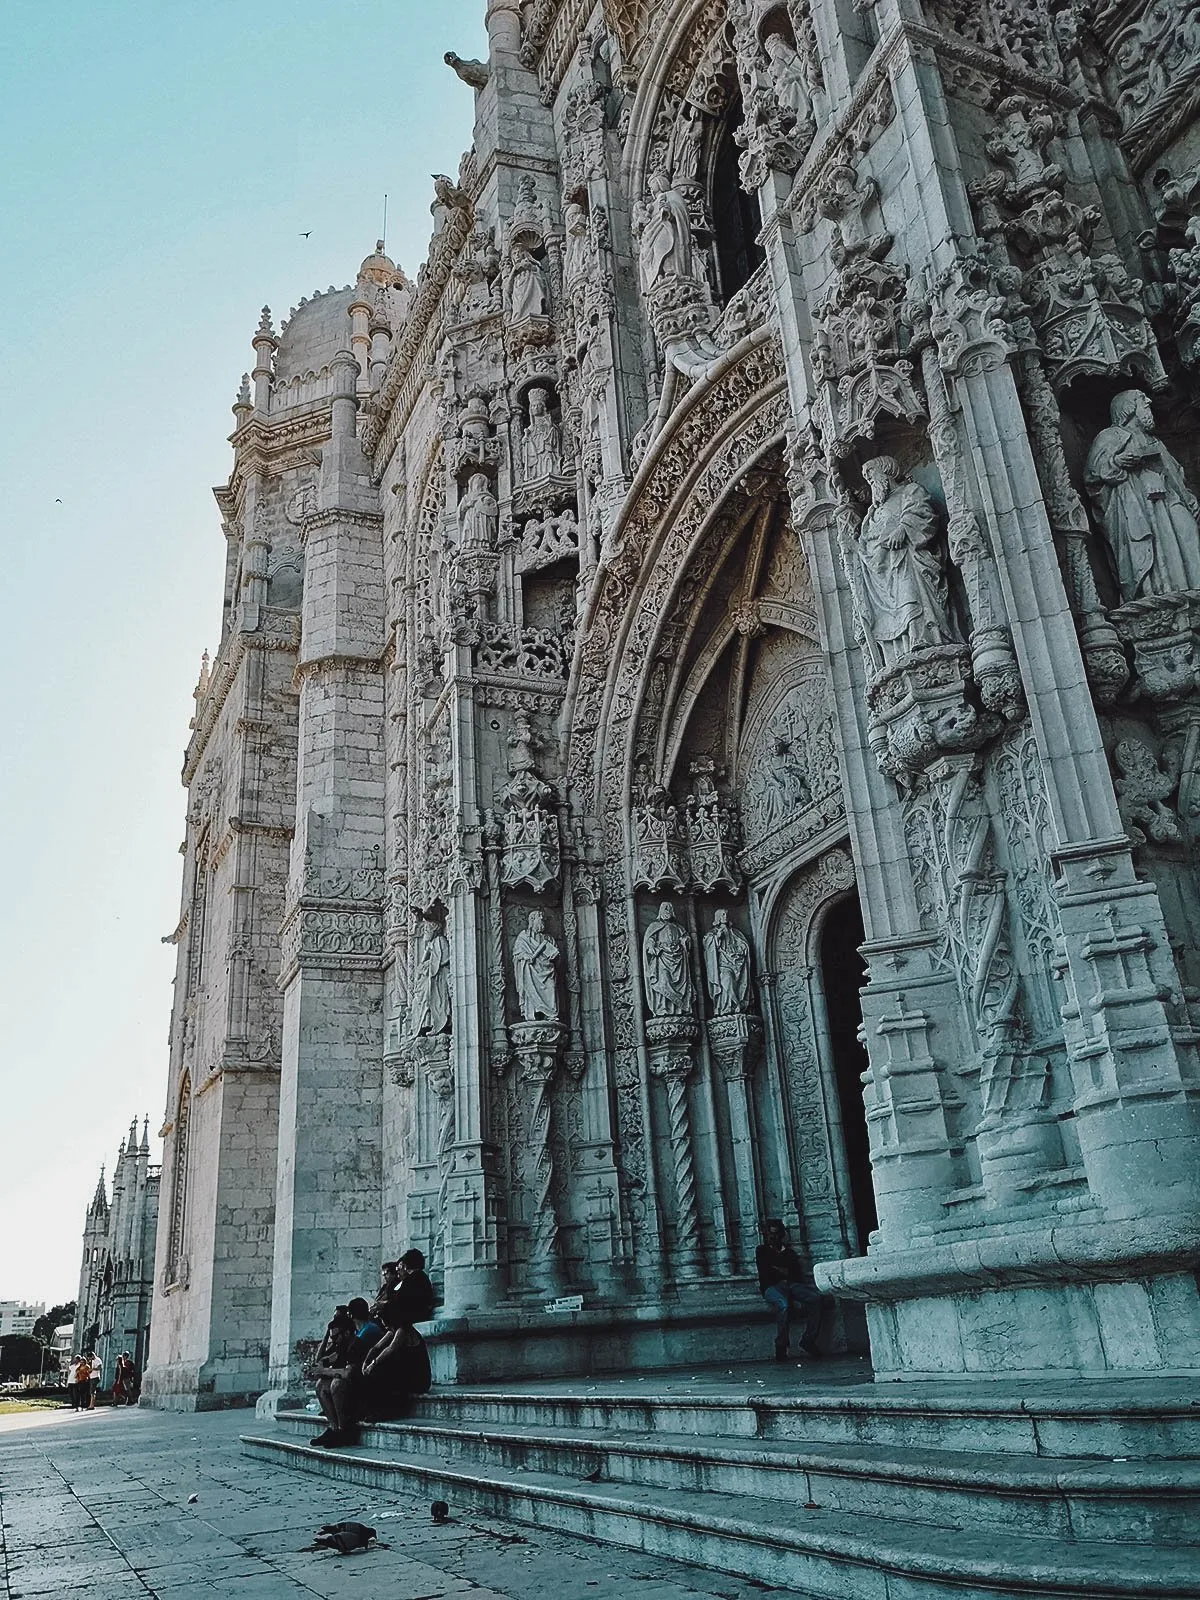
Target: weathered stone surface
(777, 556)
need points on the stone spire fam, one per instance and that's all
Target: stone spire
(99, 1203)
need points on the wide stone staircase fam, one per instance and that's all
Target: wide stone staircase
(815, 1480)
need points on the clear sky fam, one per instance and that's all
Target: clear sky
(161, 162)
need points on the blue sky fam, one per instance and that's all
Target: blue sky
(161, 162)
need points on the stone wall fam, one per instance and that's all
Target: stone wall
(771, 506)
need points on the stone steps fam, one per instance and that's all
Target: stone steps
(832, 1554)
(1155, 1501)
(1137, 1419)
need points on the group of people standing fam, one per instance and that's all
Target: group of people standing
(85, 1374)
(372, 1361)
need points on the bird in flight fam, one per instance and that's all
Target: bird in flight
(307, 235)
(57, 500)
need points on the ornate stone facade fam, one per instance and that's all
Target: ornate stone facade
(773, 505)
(116, 1275)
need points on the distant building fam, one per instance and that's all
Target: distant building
(18, 1316)
(117, 1274)
(62, 1346)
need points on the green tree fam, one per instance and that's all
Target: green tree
(43, 1328)
(20, 1355)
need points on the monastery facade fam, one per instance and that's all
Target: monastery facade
(706, 720)
(116, 1274)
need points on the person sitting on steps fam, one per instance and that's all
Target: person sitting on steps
(397, 1367)
(348, 1339)
(786, 1284)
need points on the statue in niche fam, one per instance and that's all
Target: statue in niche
(686, 140)
(535, 960)
(575, 220)
(727, 966)
(478, 514)
(526, 284)
(784, 787)
(786, 73)
(541, 442)
(666, 249)
(1148, 513)
(665, 950)
(904, 575)
(431, 1013)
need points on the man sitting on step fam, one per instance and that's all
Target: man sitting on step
(786, 1284)
(338, 1372)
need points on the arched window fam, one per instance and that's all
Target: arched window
(176, 1263)
(736, 219)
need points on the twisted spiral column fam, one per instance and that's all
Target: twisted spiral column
(536, 1046)
(669, 1041)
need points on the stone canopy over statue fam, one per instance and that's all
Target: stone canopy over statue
(535, 960)
(903, 573)
(666, 949)
(1148, 513)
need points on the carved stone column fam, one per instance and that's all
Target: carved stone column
(669, 1042)
(735, 1041)
(537, 1046)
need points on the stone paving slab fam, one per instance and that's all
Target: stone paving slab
(97, 1509)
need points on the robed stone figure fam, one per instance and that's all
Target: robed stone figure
(1148, 513)
(668, 973)
(903, 574)
(526, 285)
(478, 514)
(535, 960)
(727, 966)
(431, 1013)
(666, 249)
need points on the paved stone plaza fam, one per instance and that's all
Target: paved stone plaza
(98, 1504)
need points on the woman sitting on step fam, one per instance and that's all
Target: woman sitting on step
(397, 1367)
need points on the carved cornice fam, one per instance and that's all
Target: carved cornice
(335, 664)
(345, 936)
(338, 517)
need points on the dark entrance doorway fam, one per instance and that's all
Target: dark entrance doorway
(842, 974)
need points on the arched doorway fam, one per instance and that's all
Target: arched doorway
(842, 975)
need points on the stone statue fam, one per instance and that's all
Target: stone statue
(575, 220)
(686, 141)
(786, 72)
(904, 576)
(541, 442)
(1148, 513)
(478, 514)
(527, 286)
(665, 948)
(431, 1013)
(727, 966)
(784, 787)
(666, 249)
(535, 958)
